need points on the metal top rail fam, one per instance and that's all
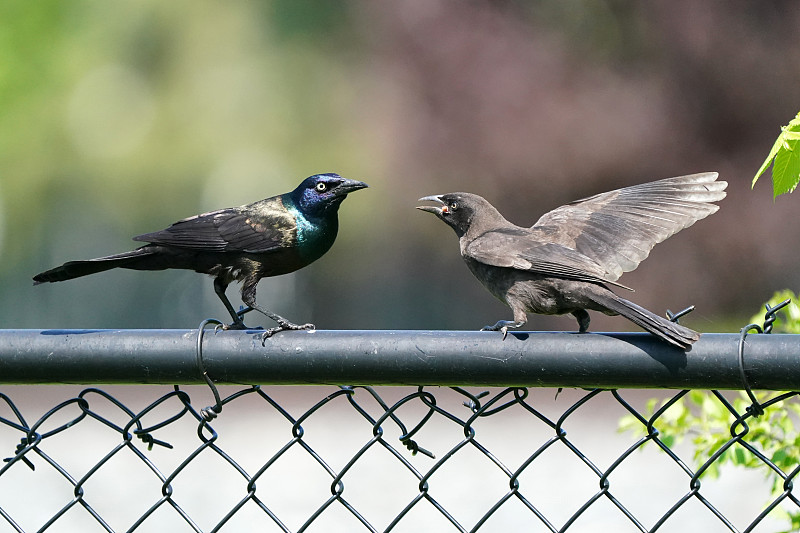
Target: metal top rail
(447, 358)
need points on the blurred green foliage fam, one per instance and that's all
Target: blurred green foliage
(707, 423)
(117, 119)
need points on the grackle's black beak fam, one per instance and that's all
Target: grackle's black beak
(348, 186)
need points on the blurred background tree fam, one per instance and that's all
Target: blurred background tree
(117, 119)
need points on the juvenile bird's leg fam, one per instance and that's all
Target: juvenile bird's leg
(219, 287)
(249, 298)
(520, 318)
(503, 325)
(583, 320)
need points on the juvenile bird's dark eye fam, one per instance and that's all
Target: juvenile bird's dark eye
(453, 206)
(321, 187)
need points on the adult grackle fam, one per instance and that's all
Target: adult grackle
(266, 238)
(566, 261)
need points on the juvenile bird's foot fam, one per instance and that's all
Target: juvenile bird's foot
(502, 326)
(283, 326)
(583, 320)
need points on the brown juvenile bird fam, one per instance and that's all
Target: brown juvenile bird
(566, 261)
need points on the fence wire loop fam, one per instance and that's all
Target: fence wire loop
(770, 316)
(21, 426)
(141, 433)
(474, 400)
(406, 438)
(755, 407)
(24, 442)
(389, 412)
(209, 413)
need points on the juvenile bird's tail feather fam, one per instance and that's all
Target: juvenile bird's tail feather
(76, 269)
(673, 333)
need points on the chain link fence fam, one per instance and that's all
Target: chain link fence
(364, 459)
(353, 461)
(360, 458)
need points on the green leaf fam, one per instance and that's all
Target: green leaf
(785, 160)
(739, 457)
(780, 457)
(713, 410)
(768, 161)
(786, 169)
(629, 423)
(696, 397)
(713, 470)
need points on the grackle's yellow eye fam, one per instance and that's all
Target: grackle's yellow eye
(453, 206)
(321, 187)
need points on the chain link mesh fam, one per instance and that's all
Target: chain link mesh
(365, 459)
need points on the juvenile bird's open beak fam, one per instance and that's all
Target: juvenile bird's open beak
(436, 210)
(348, 186)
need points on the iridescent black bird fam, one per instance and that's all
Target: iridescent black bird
(266, 238)
(566, 261)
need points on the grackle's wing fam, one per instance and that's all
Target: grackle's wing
(517, 248)
(229, 230)
(617, 229)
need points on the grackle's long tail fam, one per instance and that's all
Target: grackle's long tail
(76, 269)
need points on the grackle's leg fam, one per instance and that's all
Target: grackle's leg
(249, 298)
(219, 288)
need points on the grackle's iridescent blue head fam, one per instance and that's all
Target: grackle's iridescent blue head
(321, 194)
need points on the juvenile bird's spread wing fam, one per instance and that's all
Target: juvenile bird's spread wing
(617, 229)
(229, 230)
(516, 249)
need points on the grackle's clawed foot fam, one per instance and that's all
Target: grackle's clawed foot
(238, 321)
(283, 326)
(238, 326)
(502, 326)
